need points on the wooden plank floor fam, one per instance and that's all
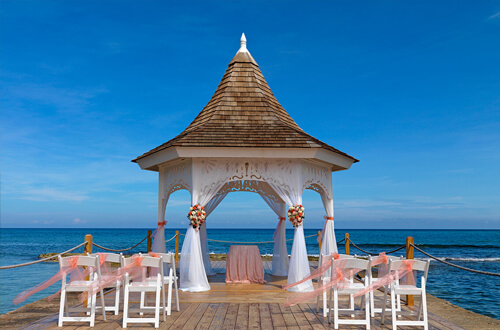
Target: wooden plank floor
(233, 306)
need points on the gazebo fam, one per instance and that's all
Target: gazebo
(244, 140)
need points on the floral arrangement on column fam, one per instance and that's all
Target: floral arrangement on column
(196, 216)
(296, 215)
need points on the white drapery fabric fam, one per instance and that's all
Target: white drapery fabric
(280, 251)
(158, 244)
(285, 177)
(203, 232)
(299, 264)
(208, 176)
(192, 272)
(329, 242)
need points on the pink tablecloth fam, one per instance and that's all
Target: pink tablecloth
(244, 265)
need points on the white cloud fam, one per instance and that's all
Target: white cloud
(497, 15)
(78, 221)
(51, 194)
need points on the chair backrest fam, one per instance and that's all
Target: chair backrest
(352, 263)
(146, 261)
(151, 262)
(168, 258)
(112, 257)
(418, 265)
(327, 256)
(86, 261)
(82, 261)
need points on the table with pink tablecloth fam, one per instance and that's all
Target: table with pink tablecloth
(244, 265)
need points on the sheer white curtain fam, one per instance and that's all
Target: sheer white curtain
(280, 252)
(192, 273)
(159, 234)
(203, 232)
(285, 177)
(208, 176)
(329, 242)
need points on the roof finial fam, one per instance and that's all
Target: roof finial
(243, 44)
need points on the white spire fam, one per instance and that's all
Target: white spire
(243, 44)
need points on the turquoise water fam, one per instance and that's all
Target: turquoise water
(474, 249)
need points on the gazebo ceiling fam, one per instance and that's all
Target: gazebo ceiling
(244, 119)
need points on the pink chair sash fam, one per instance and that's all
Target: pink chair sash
(76, 274)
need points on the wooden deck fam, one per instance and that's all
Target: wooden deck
(234, 306)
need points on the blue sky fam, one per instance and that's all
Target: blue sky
(411, 88)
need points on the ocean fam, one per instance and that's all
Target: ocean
(477, 249)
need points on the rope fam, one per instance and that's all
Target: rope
(234, 242)
(370, 253)
(171, 238)
(456, 266)
(395, 250)
(118, 250)
(44, 259)
(360, 249)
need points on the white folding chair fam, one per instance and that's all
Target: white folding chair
(397, 288)
(350, 289)
(116, 259)
(374, 309)
(82, 285)
(323, 279)
(144, 285)
(170, 279)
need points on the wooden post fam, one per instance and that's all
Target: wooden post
(346, 242)
(87, 250)
(319, 241)
(88, 246)
(149, 241)
(176, 246)
(410, 255)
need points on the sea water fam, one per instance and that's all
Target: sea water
(477, 249)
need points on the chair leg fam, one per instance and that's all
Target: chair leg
(125, 306)
(372, 304)
(325, 308)
(330, 308)
(424, 309)
(157, 307)
(103, 305)
(143, 302)
(92, 309)
(335, 309)
(117, 299)
(419, 315)
(169, 302)
(384, 305)
(62, 303)
(317, 304)
(177, 295)
(67, 307)
(367, 311)
(393, 308)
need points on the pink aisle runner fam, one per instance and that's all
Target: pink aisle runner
(244, 265)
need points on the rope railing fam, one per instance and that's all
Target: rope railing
(171, 238)
(236, 242)
(44, 259)
(453, 265)
(343, 239)
(373, 253)
(119, 250)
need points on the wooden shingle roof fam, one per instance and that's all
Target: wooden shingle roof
(243, 112)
